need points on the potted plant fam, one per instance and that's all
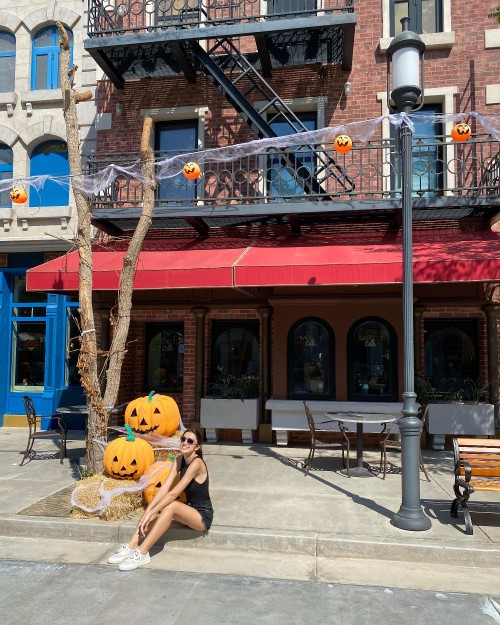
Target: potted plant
(462, 412)
(233, 404)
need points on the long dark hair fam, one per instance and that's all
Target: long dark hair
(199, 440)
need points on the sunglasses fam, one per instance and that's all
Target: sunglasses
(189, 441)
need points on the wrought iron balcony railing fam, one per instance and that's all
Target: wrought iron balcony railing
(370, 171)
(112, 17)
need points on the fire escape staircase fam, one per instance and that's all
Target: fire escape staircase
(224, 60)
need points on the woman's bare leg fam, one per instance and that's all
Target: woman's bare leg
(176, 510)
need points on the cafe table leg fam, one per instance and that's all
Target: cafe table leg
(359, 470)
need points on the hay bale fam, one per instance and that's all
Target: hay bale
(166, 454)
(120, 506)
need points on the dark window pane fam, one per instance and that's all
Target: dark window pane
(282, 179)
(235, 349)
(7, 43)
(171, 139)
(451, 356)
(21, 295)
(310, 357)
(28, 355)
(164, 357)
(372, 366)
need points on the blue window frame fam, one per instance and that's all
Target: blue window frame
(282, 182)
(50, 157)
(45, 62)
(7, 61)
(5, 172)
(171, 139)
(426, 16)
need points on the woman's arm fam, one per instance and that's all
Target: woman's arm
(196, 468)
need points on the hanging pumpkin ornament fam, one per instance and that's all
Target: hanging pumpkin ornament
(18, 195)
(127, 457)
(461, 132)
(156, 475)
(153, 414)
(191, 171)
(342, 143)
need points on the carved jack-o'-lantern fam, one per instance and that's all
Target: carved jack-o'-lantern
(156, 475)
(342, 143)
(127, 457)
(461, 132)
(154, 414)
(18, 195)
(191, 171)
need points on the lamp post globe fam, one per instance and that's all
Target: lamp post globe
(406, 55)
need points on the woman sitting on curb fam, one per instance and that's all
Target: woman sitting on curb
(197, 513)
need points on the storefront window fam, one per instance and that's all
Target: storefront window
(310, 360)
(371, 366)
(451, 356)
(28, 355)
(164, 357)
(235, 350)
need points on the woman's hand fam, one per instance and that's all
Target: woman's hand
(145, 521)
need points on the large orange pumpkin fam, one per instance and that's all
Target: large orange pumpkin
(127, 457)
(154, 414)
(159, 472)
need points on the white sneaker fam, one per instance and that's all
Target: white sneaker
(121, 554)
(134, 561)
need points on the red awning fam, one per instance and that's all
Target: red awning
(290, 261)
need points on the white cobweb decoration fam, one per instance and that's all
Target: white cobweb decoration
(362, 131)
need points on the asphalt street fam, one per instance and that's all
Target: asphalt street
(49, 593)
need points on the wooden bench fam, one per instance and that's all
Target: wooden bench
(477, 467)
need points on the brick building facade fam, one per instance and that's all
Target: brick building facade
(197, 69)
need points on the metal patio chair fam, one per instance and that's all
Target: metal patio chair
(35, 434)
(336, 440)
(388, 443)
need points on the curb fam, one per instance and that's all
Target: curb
(261, 541)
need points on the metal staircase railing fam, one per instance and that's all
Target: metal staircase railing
(223, 57)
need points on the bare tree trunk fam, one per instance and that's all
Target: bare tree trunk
(100, 404)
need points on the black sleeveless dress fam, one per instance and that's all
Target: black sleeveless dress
(198, 497)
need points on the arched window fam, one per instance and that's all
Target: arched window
(5, 172)
(50, 157)
(7, 61)
(311, 349)
(451, 356)
(235, 349)
(165, 357)
(45, 62)
(371, 361)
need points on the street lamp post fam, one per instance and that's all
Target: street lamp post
(406, 53)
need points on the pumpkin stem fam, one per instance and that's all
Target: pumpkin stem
(130, 436)
(150, 398)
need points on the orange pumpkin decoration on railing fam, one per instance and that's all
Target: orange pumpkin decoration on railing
(154, 414)
(342, 143)
(18, 195)
(128, 457)
(461, 132)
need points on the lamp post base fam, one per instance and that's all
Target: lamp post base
(413, 520)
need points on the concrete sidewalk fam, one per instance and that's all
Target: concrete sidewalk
(270, 520)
